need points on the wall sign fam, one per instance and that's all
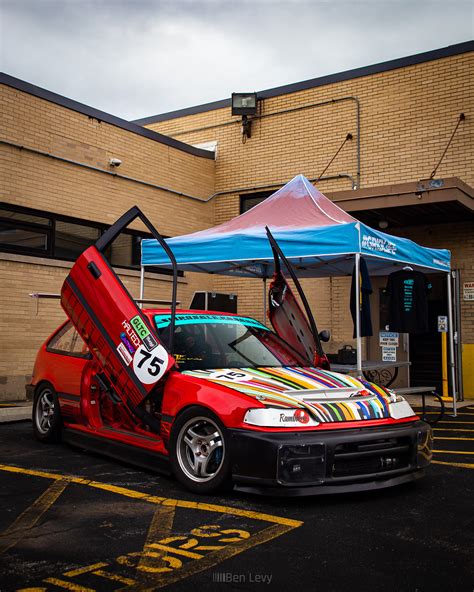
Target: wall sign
(388, 338)
(442, 324)
(389, 353)
(468, 290)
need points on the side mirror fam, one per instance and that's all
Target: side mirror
(325, 335)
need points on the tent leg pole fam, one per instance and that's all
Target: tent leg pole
(451, 345)
(359, 339)
(142, 284)
(265, 300)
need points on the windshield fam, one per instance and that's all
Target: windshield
(204, 342)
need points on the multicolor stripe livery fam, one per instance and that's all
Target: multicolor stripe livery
(294, 387)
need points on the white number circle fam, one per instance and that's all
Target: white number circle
(149, 366)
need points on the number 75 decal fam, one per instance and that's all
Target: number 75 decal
(150, 366)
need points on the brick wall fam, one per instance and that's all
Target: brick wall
(36, 181)
(407, 116)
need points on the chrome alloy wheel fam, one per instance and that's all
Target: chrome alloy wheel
(200, 449)
(45, 411)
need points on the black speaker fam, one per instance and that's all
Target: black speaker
(214, 301)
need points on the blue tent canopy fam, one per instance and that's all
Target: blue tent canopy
(324, 247)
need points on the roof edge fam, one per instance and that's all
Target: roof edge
(132, 127)
(419, 58)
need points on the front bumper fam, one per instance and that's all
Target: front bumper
(341, 460)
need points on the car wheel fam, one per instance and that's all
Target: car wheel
(46, 415)
(199, 451)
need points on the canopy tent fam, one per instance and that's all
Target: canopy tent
(317, 237)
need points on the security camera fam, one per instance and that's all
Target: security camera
(115, 162)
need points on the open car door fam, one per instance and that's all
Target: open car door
(285, 314)
(119, 336)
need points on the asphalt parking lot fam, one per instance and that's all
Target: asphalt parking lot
(76, 521)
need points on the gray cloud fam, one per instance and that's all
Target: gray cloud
(142, 57)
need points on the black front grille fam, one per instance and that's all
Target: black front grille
(372, 456)
(301, 463)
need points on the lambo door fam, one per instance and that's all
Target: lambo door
(286, 316)
(117, 333)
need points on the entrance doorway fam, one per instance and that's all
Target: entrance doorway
(425, 348)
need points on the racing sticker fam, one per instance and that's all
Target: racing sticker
(231, 376)
(126, 342)
(139, 326)
(143, 333)
(124, 353)
(149, 366)
(131, 334)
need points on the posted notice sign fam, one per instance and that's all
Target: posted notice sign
(468, 291)
(388, 338)
(442, 324)
(389, 353)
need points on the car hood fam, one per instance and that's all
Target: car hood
(328, 396)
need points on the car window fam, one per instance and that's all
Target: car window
(210, 341)
(67, 341)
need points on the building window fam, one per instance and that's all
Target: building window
(24, 233)
(42, 234)
(250, 200)
(71, 239)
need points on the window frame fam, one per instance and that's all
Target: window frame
(50, 230)
(67, 326)
(261, 195)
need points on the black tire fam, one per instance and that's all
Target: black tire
(211, 444)
(46, 415)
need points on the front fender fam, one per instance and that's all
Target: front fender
(182, 391)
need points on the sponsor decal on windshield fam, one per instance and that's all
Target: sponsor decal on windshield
(163, 320)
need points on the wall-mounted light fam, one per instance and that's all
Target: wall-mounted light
(245, 104)
(115, 162)
(383, 224)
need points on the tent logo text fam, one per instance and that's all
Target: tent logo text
(372, 243)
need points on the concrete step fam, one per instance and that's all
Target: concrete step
(15, 412)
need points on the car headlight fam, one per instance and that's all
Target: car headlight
(399, 407)
(271, 417)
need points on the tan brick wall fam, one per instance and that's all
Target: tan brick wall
(43, 183)
(26, 322)
(407, 117)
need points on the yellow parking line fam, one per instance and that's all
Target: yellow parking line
(68, 585)
(278, 527)
(453, 464)
(82, 570)
(176, 551)
(160, 527)
(453, 430)
(447, 438)
(420, 411)
(193, 567)
(218, 509)
(453, 452)
(114, 577)
(29, 518)
(456, 422)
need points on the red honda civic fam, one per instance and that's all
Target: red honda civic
(214, 398)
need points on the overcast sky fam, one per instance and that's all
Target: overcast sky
(135, 58)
